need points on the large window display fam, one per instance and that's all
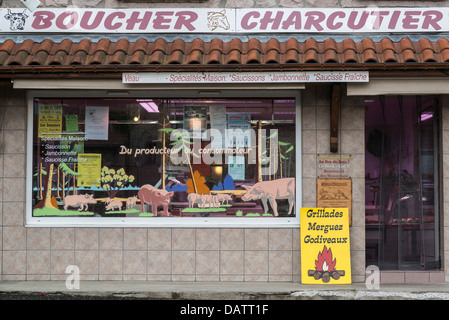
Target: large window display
(153, 157)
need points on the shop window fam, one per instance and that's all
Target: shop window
(104, 158)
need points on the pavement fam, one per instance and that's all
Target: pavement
(214, 291)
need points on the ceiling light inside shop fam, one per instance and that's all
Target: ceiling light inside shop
(149, 105)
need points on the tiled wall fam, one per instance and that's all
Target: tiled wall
(171, 254)
(316, 141)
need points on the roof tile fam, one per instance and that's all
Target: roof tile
(197, 45)
(272, 56)
(138, 57)
(214, 57)
(159, 45)
(292, 56)
(386, 44)
(66, 45)
(406, 44)
(157, 57)
(388, 55)
(428, 55)
(79, 58)
(26, 46)
(369, 55)
(177, 45)
(408, 56)
(273, 44)
(349, 56)
(349, 44)
(311, 56)
(235, 44)
(45, 46)
(140, 45)
(424, 44)
(216, 44)
(254, 44)
(99, 57)
(176, 57)
(39, 58)
(195, 57)
(234, 57)
(253, 56)
(8, 46)
(58, 59)
(83, 45)
(330, 44)
(102, 45)
(367, 44)
(330, 56)
(119, 57)
(310, 44)
(253, 51)
(445, 55)
(292, 44)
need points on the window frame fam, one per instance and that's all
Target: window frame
(179, 222)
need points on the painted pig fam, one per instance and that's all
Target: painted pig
(271, 191)
(112, 205)
(208, 201)
(131, 202)
(79, 200)
(155, 197)
(222, 198)
(193, 198)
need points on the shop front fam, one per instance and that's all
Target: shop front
(182, 145)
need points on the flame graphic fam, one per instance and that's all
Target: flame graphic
(324, 262)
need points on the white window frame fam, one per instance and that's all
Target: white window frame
(171, 222)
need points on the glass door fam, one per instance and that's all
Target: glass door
(401, 163)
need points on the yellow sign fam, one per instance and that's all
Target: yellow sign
(50, 120)
(325, 246)
(89, 168)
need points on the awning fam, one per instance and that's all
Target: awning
(105, 58)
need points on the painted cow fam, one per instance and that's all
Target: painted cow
(17, 20)
(155, 197)
(272, 190)
(79, 200)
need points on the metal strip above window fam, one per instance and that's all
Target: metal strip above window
(402, 86)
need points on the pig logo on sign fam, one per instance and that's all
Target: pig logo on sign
(217, 20)
(17, 20)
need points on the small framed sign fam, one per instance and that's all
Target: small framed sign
(334, 193)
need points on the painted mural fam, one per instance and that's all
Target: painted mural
(158, 169)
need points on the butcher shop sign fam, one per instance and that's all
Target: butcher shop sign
(244, 77)
(228, 20)
(325, 246)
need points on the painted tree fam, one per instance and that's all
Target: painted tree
(113, 181)
(48, 201)
(183, 145)
(284, 148)
(65, 172)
